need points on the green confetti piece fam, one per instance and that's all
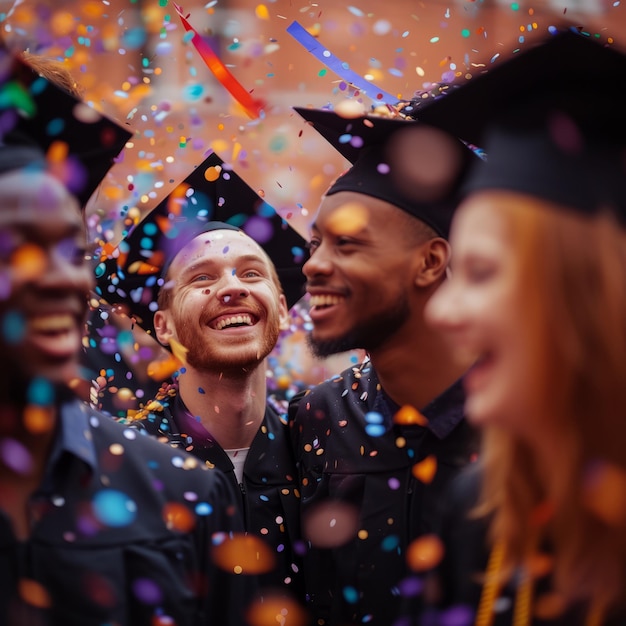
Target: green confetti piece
(14, 95)
(322, 72)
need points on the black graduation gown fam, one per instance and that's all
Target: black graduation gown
(342, 458)
(460, 574)
(269, 493)
(103, 549)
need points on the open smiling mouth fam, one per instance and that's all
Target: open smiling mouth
(322, 301)
(235, 321)
(57, 334)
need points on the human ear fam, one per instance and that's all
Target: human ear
(283, 312)
(433, 262)
(163, 327)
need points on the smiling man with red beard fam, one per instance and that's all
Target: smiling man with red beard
(211, 273)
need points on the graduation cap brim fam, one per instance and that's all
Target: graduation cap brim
(550, 118)
(131, 278)
(349, 135)
(388, 159)
(79, 143)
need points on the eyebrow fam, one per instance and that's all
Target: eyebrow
(211, 262)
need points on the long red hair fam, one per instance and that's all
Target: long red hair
(572, 277)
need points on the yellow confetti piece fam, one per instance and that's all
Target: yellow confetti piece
(220, 146)
(426, 469)
(178, 350)
(261, 12)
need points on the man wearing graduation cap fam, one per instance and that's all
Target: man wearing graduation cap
(211, 273)
(377, 444)
(97, 525)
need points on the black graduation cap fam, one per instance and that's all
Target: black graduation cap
(212, 196)
(40, 122)
(397, 159)
(551, 120)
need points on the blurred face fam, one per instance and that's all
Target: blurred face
(44, 278)
(480, 309)
(357, 274)
(226, 308)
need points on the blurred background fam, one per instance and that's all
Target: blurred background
(135, 63)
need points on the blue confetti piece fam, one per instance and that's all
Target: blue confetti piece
(114, 508)
(40, 392)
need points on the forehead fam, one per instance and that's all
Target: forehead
(36, 200)
(479, 221)
(352, 211)
(218, 245)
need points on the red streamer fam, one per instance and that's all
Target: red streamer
(251, 106)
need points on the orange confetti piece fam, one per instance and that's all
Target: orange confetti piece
(141, 268)
(408, 415)
(34, 593)
(178, 517)
(244, 554)
(28, 262)
(163, 368)
(212, 173)
(424, 553)
(426, 469)
(276, 609)
(38, 419)
(348, 219)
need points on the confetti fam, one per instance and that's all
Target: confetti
(336, 65)
(251, 106)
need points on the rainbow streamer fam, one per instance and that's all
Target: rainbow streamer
(251, 106)
(337, 65)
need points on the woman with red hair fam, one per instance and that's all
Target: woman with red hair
(536, 534)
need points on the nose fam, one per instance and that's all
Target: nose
(232, 288)
(318, 264)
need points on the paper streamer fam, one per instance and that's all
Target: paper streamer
(251, 106)
(338, 66)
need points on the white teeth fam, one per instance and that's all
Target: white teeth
(52, 323)
(234, 319)
(325, 300)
